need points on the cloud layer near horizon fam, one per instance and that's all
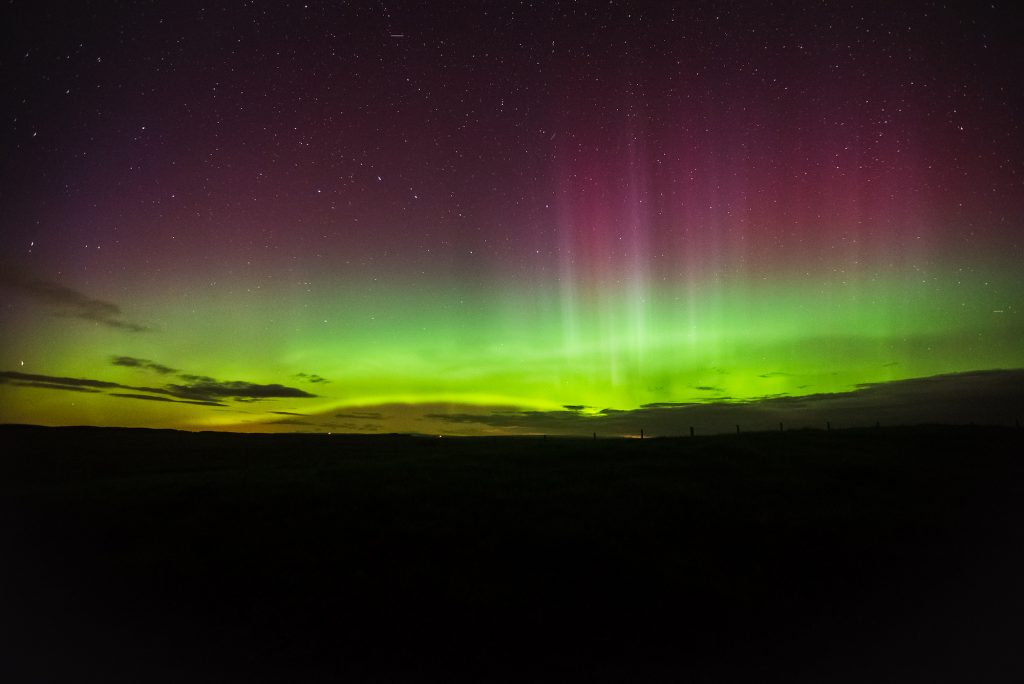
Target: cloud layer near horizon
(990, 396)
(984, 397)
(197, 389)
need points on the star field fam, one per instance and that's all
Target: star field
(411, 212)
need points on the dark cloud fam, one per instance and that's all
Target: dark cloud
(64, 301)
(360, 415)
(995, 397)
(132, 362)
(574, 407)
(77, 384)
(201, 387)
(775, 374)
(287, 413)
(709, 388)
(6, 376)
(353, 427)
(310, 377)
(168, 399)
(48, 385)
(202, 390)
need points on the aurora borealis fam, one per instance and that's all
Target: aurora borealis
(377, 217)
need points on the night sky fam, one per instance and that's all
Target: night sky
(491, 217)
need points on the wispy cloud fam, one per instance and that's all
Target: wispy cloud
(360, 415)
(94, 386)
(168, 399)
(202, 387)
(310, 377)
(59, 381)
(64, 301)
(49, 385)
(146, 364)
(200, 390)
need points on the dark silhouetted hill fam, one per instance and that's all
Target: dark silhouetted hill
(884, 555)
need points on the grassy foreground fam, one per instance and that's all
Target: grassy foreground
(882, 555)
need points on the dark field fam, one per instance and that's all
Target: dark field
(882, 555)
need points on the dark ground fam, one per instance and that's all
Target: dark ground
(882, 555)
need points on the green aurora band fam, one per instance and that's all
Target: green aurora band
(530, 348)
